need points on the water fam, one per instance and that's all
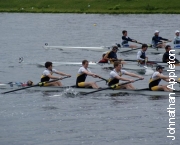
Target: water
(38, 118)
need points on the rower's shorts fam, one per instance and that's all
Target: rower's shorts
(126, 45)
(81, 84)
(155, 88)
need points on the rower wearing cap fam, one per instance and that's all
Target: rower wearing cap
(156, 78)
(116, 75)
(125, 40)
(141, 55)
(82, 74)
(47, 75)
(167, 55)
(156, 39)
(112, 55)
(177, 39)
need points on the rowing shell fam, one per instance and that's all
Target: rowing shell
(107, 48)
(74, 90)
(140, 69)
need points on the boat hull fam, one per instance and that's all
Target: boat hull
(106, 48)
(74, 90)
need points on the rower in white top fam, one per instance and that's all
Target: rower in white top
(177, 40)
(116, 75)
(47, 75)
(141, 54)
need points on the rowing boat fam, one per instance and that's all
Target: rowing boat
(107, 48)
(67, 89)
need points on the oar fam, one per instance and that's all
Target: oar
(149, 45)
(110, 87)
(39, 84)
(147, 61)
(130, 50)
(103, 79)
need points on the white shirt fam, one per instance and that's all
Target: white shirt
(139, 53)
(47, 72)
(177, 38)
(154, 76)
(113, 73)
(81, 69)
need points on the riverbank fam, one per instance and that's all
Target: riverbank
(92, 6)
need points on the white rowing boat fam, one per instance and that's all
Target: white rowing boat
(107, 48)
(140, 69)
(73, 90)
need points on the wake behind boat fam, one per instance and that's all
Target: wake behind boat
(75, 90)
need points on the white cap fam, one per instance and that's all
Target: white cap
(156, 31)
(177, 31)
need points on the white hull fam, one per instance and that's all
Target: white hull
(85, 90)
(106, 48)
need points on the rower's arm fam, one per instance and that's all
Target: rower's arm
(121, 78)
(52, 77)
(63, 74)
(133, 75)
(106, 57)
(89, 73)
(163, 77)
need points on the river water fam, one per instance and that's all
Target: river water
(29, 118)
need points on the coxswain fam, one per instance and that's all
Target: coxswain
(111, 56)
(103, 60)
(167, 55)
(125, 40)
(141, 54)
(156, 78)
(116, 75)
(177, 39)
(157, 41)
(47, 75)
(82, 74)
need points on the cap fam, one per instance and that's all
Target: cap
(177, 31)
(115, 47)
(156, 31)
(159, 67)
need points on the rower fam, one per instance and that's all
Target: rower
(116, 75)
(82, 74)
(47, 75)
(103, 60)
(177, 40)
(167, 55)
(112, 55)
(156, 39)
(156, 78)
(125, 40)
(141, 55)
